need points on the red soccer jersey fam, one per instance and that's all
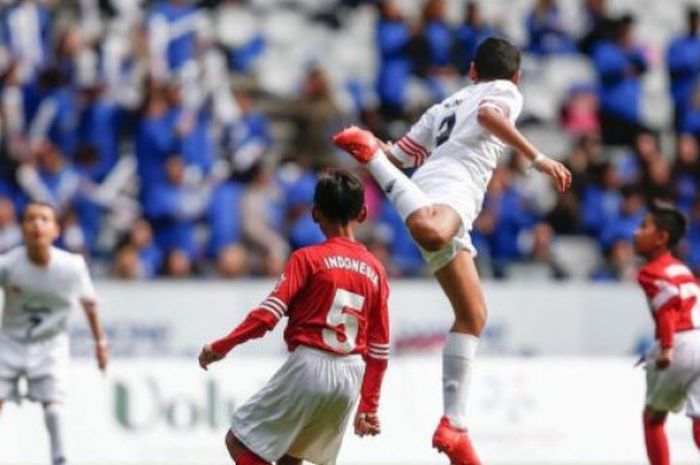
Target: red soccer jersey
(674, 297)
(335, 296)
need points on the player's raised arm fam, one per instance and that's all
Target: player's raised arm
(265, 316)
(495, 121)
(376, 360)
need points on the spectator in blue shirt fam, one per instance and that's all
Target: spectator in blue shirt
(154, 137)
(175, 22)
(99, 127)
(393, 39)
(174, 207)
(620, 64)
(686, 172)
(546, 34)
(683, 61)
(468, 35)
(624, 223)
(601, 201)
(694, 237)
(138, 257)
(431, 49)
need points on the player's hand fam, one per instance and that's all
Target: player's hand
(557, 171)
(207, 356)
(102, 355)
(367, 424)
(664, 359)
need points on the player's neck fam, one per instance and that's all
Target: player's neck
(339, 232)
(656, 254)
(39, 256)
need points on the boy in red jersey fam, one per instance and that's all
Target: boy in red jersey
(673, 367)
(335, 296)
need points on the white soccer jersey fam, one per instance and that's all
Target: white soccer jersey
(39, 300)
(450, 130)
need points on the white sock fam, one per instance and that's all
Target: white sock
(457, 356)
(53, 417)
(399, 189)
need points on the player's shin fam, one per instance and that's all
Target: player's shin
(655, 438)
(54, 420)
(399, 189)
(457, 364)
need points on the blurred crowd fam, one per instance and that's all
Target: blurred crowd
(175, 139)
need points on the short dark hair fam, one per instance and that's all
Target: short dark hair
(339, 196)
(496, 58)
(668, 218)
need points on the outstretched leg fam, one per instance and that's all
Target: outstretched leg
(655, 437)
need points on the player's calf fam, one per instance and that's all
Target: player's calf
(240, 454)
(696, 431)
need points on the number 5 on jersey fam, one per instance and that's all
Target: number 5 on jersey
(337, 317)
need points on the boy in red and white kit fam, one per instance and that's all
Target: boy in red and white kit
(673, 367)
(335, 296)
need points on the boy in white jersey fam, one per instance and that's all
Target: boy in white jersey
(41, 285)
(455, 145)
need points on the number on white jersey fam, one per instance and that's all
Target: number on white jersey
(337, 316)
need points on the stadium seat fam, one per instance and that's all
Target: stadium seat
(578, 255)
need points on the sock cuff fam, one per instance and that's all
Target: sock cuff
(461, 345)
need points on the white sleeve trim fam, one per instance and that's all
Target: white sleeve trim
(666, 293)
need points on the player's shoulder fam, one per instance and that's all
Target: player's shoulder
(64, 258)
(667, 268)
(13, 255)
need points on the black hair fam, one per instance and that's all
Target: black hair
(339, 196)
(668, 218)
(496, 58)
(40, 203)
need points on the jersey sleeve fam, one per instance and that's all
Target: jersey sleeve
(268, 313)
(86, 288)
(664, 298)
(505, 98)
(414, 148)
(377, 355)
(292, 280)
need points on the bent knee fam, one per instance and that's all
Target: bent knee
(427, 234)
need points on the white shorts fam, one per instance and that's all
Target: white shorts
(448, 182)
(44, 364)
(678, 385)
(303, 409)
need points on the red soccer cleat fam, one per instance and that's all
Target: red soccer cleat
(454, 442)
(359, 143)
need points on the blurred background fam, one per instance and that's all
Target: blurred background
(180, 142)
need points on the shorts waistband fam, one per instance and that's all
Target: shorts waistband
(313, 352)
(688, 334)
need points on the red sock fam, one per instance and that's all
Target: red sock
(696, 431)
(655, 438)
(248, 458)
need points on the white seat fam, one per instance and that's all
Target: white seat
(578, 255)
